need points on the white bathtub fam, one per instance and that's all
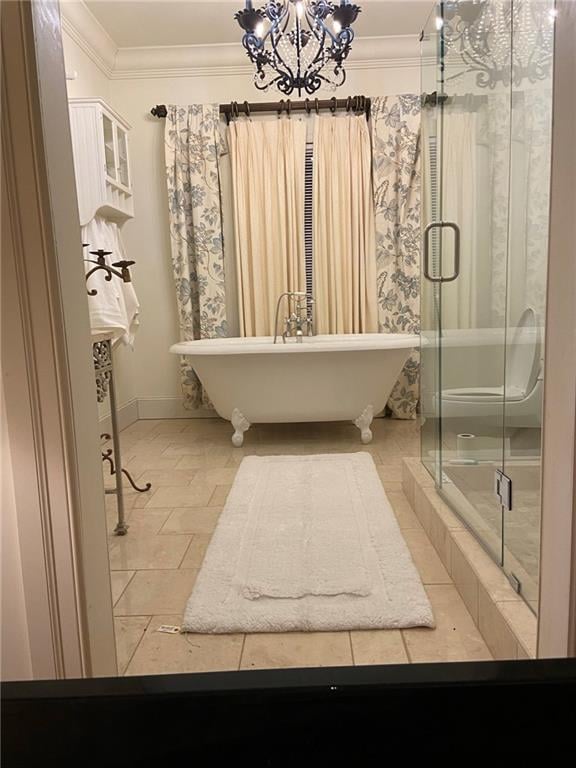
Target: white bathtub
(325, 378)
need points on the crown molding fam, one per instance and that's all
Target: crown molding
(213, 60)
(229, 59)
(85, 30)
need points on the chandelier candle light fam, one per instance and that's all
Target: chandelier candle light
(298, 45)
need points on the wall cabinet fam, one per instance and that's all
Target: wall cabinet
(101, 160)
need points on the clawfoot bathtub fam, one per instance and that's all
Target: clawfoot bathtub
(325, 378)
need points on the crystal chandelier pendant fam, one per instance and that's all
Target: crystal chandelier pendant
(298, 45)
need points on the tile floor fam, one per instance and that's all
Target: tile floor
(191, 465)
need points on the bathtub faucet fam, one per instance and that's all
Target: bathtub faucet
(298, 323)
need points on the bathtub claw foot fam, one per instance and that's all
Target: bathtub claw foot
(363, 423)
(241, 425)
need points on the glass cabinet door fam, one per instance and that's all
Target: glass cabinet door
(109, 147)
(122, 147)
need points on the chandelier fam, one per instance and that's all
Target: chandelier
(298, 44)
(501, 41)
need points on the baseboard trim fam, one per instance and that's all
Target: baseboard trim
(169, 408)
(127, 414)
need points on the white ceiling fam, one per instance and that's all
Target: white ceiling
(133, 23)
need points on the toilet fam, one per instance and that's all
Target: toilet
(523, 388)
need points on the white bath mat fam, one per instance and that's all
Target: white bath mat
(307, 543)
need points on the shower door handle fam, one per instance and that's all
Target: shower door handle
(440, 225)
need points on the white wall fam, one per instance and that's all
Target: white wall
(91, 82)
(150, 374)
(147, 238)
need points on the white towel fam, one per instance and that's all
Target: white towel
(115, 306)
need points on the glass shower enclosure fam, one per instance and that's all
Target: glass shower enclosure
(486, 70)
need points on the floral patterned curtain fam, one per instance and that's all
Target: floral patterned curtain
(395, 122)
(193, 146)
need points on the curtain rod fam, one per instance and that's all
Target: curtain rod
(356, 104)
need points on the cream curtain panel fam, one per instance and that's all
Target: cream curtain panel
(395, 128)
(343, 227)
(267, 161)
(192, 148)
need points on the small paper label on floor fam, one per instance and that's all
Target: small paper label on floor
(169, 629)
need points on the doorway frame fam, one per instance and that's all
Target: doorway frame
(54, 428)
(48, 379)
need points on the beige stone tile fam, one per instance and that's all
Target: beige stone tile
(296, 649)
(408, 484)
(522, 655)
(441, 539)
(119, 580)
(144, 451)
(422, 506)
(192, 520)
(136, 499)
(146, 521)
(442, 510)
(403, 511)
(466, 581)
(419, 472)
(193, 495)
(172, 477)
(216, 476)
(145, 551)
(196, 550)
(494, 628)
(141, 427)
(383, 646)
(386, 453)
(128, 631)
(523, 623)
(175, 450)
(218, 498)
(206, 460)
(156, 592)
(455, 637)
(160, 653)
(111, 515)
(425, 557)
(141, 463)
(389, 473)
(489, 574)
(392, 486)
(169, 426)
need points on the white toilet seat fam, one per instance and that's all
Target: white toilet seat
(483, 394)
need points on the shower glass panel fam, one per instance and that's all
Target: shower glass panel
(486, 84)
